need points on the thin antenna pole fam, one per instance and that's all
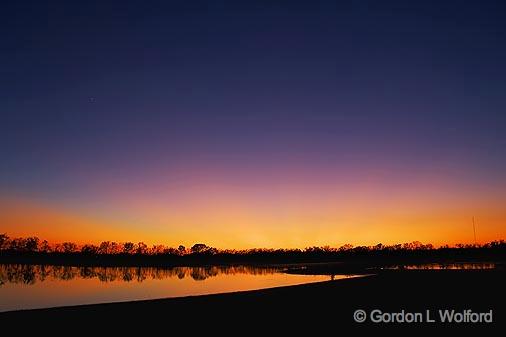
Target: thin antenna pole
(474, 231)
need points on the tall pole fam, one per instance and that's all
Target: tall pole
(474, 231)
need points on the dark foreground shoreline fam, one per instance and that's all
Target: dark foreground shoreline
(318, 307)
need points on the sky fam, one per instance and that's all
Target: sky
(245, 124)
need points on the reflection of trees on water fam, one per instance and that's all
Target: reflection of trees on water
(446, 266)
(30, 274)
(464, 265)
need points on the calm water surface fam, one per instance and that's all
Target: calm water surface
(447, 266)
(42, 286)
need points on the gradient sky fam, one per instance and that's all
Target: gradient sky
(253, 123)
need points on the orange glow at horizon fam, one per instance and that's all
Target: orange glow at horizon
(223, 219)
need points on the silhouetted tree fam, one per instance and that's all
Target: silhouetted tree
(114, 248)
(199, 248)
(345, 247)
(89, 249)
(17, 244)
(105, 247)
(157, 249)
(44, 247)
(142, 248)
(128, 247)
(181, 249)
(4, 240)
(69, 247)
(32, 244)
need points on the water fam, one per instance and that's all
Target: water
(43, 286)
(446, 266)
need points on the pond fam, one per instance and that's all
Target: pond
(43, 286)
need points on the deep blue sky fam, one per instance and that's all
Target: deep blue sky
(83, 81)
(93, 90)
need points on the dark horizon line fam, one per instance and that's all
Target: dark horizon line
(33, 244)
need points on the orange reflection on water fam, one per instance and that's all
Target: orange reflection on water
(27, 287)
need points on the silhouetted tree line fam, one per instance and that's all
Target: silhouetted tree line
(34, 250)
(35, 245)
